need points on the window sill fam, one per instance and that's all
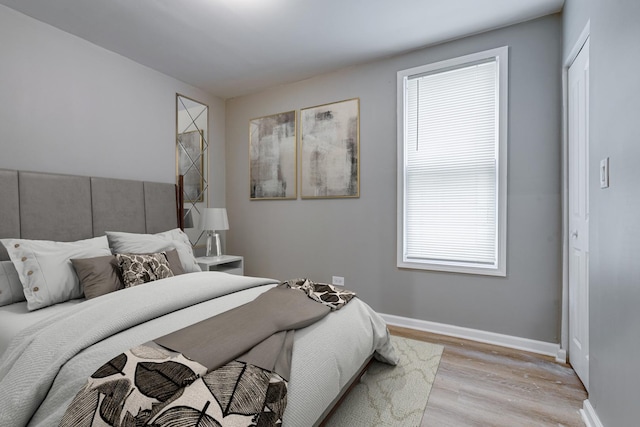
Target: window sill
(453, 268)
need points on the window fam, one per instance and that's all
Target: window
(452, 164)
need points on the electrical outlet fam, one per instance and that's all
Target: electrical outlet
(338, 280)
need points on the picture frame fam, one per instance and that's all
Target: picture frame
(191, 164)
(330, 150)
(273, 172)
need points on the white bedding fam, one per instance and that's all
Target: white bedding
(16, 317)
(326, 354)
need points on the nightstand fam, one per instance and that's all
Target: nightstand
(232, 264)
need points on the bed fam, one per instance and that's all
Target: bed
(51, 343)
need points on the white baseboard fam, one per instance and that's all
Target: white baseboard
(561, 357)
(539, 347)
(589, 415)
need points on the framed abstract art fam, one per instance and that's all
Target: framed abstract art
(330, 150)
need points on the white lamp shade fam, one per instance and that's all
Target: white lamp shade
(214, 219)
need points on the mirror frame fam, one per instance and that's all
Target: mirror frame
(192, 154)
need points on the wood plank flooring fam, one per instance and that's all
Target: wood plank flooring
(484, 385)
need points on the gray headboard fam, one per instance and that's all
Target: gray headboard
(47, 206)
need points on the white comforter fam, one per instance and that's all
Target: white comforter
(48, 363)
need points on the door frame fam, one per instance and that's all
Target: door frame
(564, 328)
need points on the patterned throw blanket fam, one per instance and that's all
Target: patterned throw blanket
(229, 370)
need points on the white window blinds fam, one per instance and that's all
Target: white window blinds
(451, 154)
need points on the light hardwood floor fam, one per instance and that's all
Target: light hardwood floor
(484, 385)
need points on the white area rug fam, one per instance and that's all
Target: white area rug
(392, 395)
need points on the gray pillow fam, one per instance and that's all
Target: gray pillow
(174, 262)
(98, 276)
(10, 286)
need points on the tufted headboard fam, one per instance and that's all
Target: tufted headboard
(47, 206)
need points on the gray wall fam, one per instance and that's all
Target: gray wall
(614, 276)
(69, 106)
(575, 15)
(357, 238)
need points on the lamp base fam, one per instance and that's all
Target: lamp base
(218, 248)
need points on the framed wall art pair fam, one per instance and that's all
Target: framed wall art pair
(329, 153)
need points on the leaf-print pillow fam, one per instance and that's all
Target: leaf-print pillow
(137, 269)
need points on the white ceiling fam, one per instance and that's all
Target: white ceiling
(234, 47)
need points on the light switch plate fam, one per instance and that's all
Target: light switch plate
(604, 173)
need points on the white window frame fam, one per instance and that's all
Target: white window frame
(499, 268)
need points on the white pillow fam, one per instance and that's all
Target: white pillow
(10, 286)
(45, 270)
(134, 243)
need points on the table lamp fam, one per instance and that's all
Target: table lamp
(212, 220)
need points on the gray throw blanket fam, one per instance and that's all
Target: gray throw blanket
(228, 370)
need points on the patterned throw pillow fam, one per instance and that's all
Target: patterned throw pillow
(323, 293)
(138, 269)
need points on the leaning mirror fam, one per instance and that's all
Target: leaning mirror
(192, 162)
